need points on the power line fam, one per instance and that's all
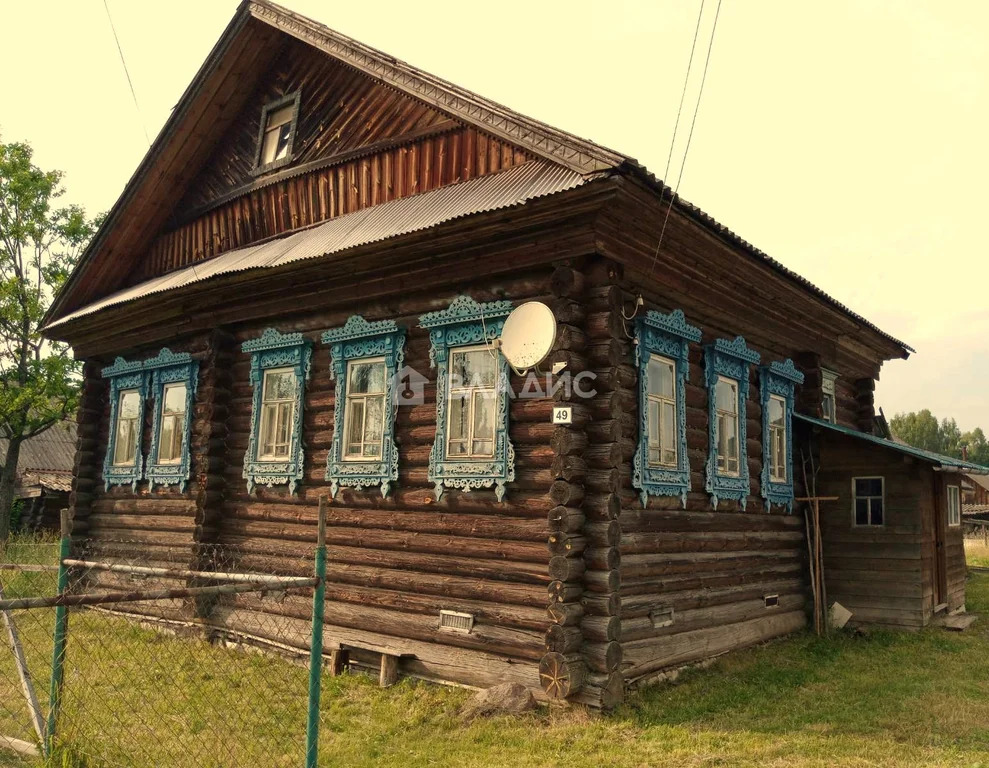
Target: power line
(127, 73)
(683, 95)
(690, 135)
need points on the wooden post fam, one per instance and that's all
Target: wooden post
(27, 687)
(316, 645)
(61, 632)
(389, 670)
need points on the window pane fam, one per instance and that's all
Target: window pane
(475, 368)
(827, 408)
(165, 441)
(660, 377)
(459, 416)
(874, 487)
(861, 511)
(355, 426)
(129, 404)
(279, 385)
(125, 448)
(776, 412)
(280, 116)
(373, 425)
(877, 511)
(669, 434)
(267, 431)
(174, 401)
(482, 447)
(366, 377)
(483, 416)
(177, 436)
(726, 396)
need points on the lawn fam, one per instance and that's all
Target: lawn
(881, 699)
(976, 553)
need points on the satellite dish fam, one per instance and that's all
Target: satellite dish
(528, 335)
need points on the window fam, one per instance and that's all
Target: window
(777, 439)
(278, 123)
(172, 424)
(128, 428)
(173, 387)
(365, 361)
(777, 384)
(661, 406)
(280, 365)
(660, 466)
(472, 448)
(277, 411)
(726, 402)
(828, 406)
(727, 372)
(868, 494)
(954, 505)
(473, 399)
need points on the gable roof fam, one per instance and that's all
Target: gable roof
(251, 39)
(938, 460)
(53, 450)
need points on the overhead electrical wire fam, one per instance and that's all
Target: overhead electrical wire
(693, 122)
(123, 61)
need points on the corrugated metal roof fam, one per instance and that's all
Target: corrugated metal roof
(54, 449)
(945, 462)
(506, 189)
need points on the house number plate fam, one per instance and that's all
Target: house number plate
(562, 414)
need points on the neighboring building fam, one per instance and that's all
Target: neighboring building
(317, 217)
(44, 476)
(975, 491)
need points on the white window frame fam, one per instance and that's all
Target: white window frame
(869, 524)
(717, 428)
(954, 511)
(783, 445)
(178, 422)
(828, 390)
(453, 392)
(662, 400)
(363, 396)
(265, 404)
(137, 427)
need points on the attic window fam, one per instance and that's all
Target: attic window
(278, 123)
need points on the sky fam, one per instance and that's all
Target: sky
(846, 139)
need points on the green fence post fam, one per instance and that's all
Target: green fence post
(316, 645)
(61, 629)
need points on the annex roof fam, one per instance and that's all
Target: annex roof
(163, 167)
(942, 462)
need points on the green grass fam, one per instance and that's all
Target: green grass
(142, 698)
(976, 553)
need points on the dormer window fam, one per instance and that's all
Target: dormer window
(278, 123)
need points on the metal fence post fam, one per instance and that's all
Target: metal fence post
(316, 645)
(61, 628)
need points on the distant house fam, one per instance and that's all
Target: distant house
(975, 496)
(44, 476)
(317, 217)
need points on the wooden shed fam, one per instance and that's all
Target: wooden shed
(295, 296)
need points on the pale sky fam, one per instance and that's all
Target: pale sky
(846, 139)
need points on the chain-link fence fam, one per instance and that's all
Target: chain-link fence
(110, 659)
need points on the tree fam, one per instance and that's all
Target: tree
(977, 446)
(39, 245)
(921, 430)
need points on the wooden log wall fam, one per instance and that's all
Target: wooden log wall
(350, 184)
(883, 575)
(86, 466)
(956, 574)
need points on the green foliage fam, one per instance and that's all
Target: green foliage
(16, 511)
(921, 429)
(39, 245)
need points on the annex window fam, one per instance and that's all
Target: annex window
(726, 426)
(727, 372)
(777, 383)
(128, 432)
(173, 387)
(473, 403)
(278, 125)
(277, 415)
(828, 401)
(869, 500)
(123, 463)
(279, 369)
(365, 358)
(660, 466)
(954, 505)
(472, 447)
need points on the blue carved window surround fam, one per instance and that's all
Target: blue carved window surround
(779, 379)
(668, 336)
(467, 323)
(273, 350)
(170, 368)
(357, 340)
(124, 376)
(730, 360)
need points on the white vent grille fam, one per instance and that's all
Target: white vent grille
(454, 621)
(772, 601)
(662, 617)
